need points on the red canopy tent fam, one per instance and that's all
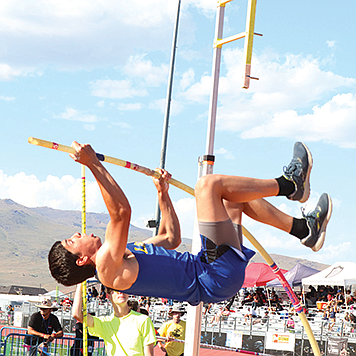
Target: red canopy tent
(258, 274)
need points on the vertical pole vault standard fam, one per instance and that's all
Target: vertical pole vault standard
(250, 31)
(219, 26)
(84, 284)
(194, 315)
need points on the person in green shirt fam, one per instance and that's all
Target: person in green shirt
(125, 332)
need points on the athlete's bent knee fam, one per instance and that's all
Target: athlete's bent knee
(206, 184)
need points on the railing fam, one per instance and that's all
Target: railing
(13, 344)
(213, 333)
(279, 323)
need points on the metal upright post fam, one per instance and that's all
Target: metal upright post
(206, 162)
(209, 149)
(167, 112)
(194, 315)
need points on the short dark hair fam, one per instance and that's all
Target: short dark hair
(64, 268)
(133, 304)
(143, 311)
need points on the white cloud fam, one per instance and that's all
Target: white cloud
(75, 115)
(330, 253)
(338, 249)
(122, 125)
(333, 122)
(227, 154)
(89, 127)
(7, 98)
(115, 89)
(208, 7)
(79, 15)
(55, 192)
(139, 67)
(187, 79)
(130, 106)
(293, 81)
(141, 221)
(160, 104)
(279, 104)
(198, 92)
(186, 213)
(8, 72)
(331, 44)
(84, 34)
(185, 209)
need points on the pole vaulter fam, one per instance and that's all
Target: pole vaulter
(149, 172)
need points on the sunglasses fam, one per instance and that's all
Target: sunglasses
(112, 291)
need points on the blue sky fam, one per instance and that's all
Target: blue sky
(97, 72)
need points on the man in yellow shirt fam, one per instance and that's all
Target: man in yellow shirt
(173, 329)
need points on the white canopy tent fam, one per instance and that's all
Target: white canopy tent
(339, 274)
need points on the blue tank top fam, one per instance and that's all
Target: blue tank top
(185, 277)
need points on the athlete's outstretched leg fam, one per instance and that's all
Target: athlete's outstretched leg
(310, 229)
(212, 190)
(266, 213)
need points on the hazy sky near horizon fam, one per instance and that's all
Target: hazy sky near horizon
(97, 72)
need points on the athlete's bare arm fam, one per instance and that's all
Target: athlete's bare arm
(114, 267)
(77, 309)
(169, 229)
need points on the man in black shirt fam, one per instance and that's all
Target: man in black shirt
(43, 326)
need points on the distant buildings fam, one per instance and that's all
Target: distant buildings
(21, 290)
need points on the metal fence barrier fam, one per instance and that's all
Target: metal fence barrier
(12, 343)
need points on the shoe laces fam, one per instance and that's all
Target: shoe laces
(294, 169)
(311, 215)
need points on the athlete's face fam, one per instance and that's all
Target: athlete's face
(82, 244)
